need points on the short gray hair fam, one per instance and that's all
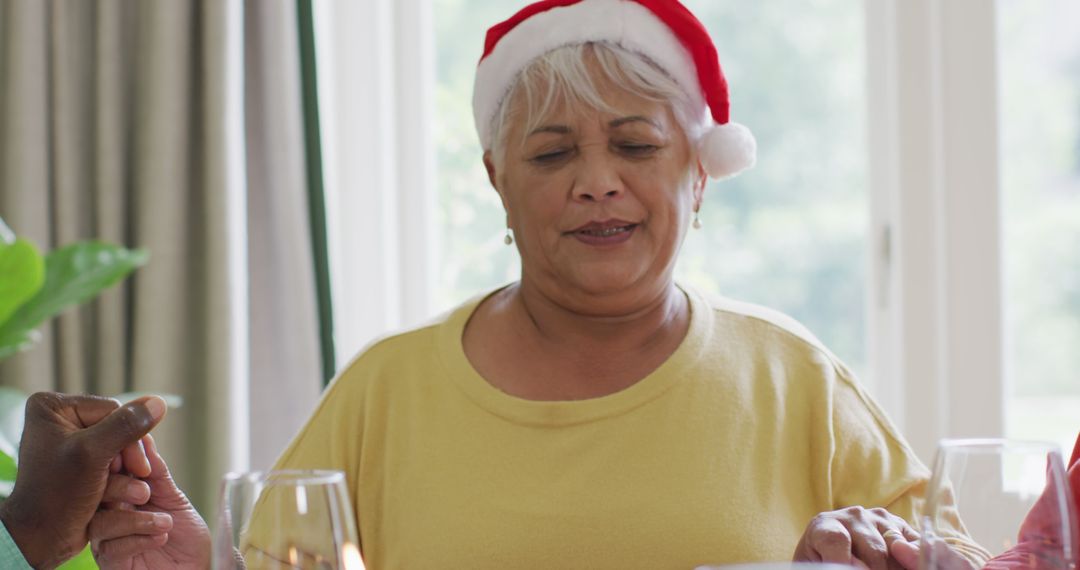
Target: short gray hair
(563, 74)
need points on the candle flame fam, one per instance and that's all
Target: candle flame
(350, 555)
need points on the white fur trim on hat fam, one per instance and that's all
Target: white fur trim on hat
(621, 22)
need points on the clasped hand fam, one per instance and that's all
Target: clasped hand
(90, 472)
(148, 523)
(866, 538)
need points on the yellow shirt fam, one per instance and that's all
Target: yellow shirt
(721, 455)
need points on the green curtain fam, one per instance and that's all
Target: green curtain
(316, 196)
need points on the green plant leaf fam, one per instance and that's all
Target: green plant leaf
(7, 468)
(22, 273)
(12, 415)
(73, 274)
(84, 561)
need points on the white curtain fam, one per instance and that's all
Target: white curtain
(285, 364)
(173, 126)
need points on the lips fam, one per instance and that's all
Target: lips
(604, 233)
(605, 228)
(607, 232)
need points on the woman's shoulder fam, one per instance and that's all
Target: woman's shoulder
(760, 319)
(407, 350)
(395, 344)
(759, 323)
(409, 344)
(754, 335)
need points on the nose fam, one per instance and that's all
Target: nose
(597, 179)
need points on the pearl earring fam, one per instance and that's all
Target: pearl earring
(509, 239)
(697, 220)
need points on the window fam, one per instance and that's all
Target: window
(916, 202)
(1039, 69)
(473, 257)
(790, 234)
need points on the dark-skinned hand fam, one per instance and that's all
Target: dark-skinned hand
(68, 445)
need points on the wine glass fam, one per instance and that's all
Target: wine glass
(999, 500)
(285, 519)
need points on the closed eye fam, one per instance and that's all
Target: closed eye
(551, 157)
(637, 149)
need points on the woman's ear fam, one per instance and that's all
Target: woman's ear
(701, 178)
(489, 165)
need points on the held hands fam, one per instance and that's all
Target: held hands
(159, 529)
(88, 471)
(67, 447)
(866, 538)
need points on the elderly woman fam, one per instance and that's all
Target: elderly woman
(595, 414)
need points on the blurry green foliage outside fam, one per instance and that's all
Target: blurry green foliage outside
(1039, 78)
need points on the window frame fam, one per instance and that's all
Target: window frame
(936, 300)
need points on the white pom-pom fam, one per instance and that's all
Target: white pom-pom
(727, 150)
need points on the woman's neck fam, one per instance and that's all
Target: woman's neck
(651, 319)
(533, 346)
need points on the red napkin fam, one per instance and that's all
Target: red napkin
(1040, 532)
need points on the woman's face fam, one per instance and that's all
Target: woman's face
(599, 203)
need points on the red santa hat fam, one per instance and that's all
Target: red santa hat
(663, 31)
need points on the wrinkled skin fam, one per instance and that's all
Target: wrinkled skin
(866, 538)
(120, 538)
